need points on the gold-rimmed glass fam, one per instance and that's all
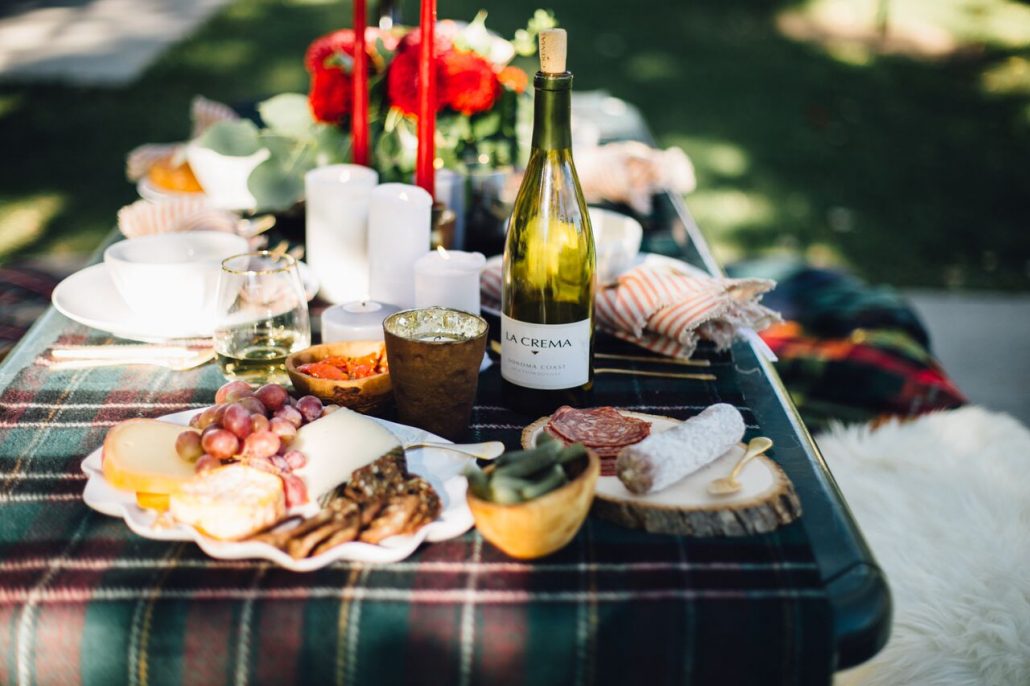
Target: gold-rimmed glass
(263, 316)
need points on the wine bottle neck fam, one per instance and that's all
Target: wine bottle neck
(551, 111)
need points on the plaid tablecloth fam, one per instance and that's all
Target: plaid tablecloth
(84, 600)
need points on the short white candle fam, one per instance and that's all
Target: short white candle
(399, 216)
(337, 198)
(449, 278)
(356, 321)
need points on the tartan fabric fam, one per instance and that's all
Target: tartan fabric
(866, 375)
(83, 600)
(24, 296)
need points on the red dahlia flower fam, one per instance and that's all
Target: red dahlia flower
(402, 77)
(331, 94)
(469, 84)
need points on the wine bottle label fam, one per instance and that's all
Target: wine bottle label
(545, 356)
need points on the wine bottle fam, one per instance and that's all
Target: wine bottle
(547, 298)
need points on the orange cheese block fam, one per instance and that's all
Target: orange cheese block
(139, 455)
(152, 501)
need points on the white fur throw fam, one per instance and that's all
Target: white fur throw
(944, 502)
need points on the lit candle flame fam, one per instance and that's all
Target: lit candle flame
(443, 252)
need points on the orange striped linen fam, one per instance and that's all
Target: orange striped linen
(144, 218)
(667, 306)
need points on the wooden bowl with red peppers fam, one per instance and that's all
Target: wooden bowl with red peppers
(352, 374)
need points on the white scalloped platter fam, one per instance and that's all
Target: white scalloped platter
(440, 468)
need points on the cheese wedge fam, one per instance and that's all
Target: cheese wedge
(229, 503)
(139, 455)
(152, 501)
(338, 444)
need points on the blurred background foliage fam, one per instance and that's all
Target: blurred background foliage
(891, 137)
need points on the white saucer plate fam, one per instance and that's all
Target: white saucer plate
(441, 468)
(90, 297)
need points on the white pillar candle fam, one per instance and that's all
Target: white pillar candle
(450, 190)
(399, 216)
(449, 278)
(356, 321)
(337, 198)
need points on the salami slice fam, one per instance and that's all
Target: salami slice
(604, 430)
(599, 427)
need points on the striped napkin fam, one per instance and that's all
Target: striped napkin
(666, 306)
(144, 217)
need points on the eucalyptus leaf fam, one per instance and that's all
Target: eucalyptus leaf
(279, 146)
(332, 145)
(232, 138)
(274, 187)
(288, 114)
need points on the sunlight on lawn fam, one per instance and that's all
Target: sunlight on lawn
(225, 55)
(25, 220)
(9, 103)
(853, 31)
(1011, 77)
(714, 157)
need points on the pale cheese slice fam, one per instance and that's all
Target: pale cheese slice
(338, 444)
(139, 455)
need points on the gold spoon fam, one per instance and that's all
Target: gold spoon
(729, 484)
(483, 451)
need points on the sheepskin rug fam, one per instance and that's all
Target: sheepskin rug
(944, 502)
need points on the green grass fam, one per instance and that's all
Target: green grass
(908, 171)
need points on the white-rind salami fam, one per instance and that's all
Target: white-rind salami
(666, 457)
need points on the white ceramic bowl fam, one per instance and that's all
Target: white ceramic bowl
(223, 177)
(616, 240)
(172, 278)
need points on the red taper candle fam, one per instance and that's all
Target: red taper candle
(424, 174)
(359, 119)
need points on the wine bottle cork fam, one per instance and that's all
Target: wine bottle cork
(553, 45)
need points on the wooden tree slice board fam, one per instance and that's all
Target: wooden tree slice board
(766, 501)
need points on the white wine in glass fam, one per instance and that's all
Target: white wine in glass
(264, 316)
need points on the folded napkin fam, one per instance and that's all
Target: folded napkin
(667, 306)
(144, 218)
(632, 172)
(203, 113)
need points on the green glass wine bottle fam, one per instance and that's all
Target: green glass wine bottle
(547, 301)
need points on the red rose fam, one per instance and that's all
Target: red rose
(469, 84)
(402, 77)
(330, 96)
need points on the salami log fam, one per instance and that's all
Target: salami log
(664, 458)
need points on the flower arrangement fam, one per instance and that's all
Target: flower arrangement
(481, 97)
(482, 113)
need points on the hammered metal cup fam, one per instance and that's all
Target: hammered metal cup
(434, 355)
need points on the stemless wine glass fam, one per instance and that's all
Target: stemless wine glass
(264, 316)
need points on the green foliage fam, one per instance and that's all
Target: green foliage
(295, 143)
(525, 39)
(232, 138)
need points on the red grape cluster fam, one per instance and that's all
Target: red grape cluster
(255, 427)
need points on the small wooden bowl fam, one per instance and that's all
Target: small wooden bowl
(543, 525)
(368, 395)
